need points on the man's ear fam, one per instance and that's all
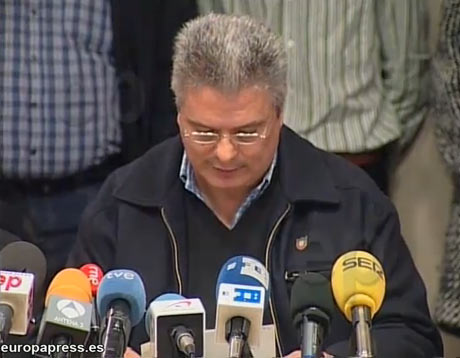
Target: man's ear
(279, 115)
(280, 119)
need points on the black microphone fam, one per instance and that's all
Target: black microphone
(6, 238)
(23, 268)
(311, 309)
(22, 256)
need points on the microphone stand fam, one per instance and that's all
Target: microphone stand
(362, 345)
(246, 351)
(114, 336)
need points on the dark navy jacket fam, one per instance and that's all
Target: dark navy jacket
(137, 222)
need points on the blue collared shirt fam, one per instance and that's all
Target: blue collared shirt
(187, 175)
(59, 99)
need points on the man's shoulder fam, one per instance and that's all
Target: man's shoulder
(149, 173)
(347, 175)
(335, 171)
(157, 159)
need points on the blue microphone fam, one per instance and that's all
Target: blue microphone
(176, 326)
(242, 293)
(121, 301)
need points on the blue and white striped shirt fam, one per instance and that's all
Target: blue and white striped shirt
(59, 102)
(187, 175)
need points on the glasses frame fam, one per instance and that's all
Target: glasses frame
(232, 137)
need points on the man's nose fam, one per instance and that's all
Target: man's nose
(226, 150)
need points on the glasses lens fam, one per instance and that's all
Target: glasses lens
(204, 137)
(246, 138)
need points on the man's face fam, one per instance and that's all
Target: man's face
(228, 163)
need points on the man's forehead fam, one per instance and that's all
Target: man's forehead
(238, 97)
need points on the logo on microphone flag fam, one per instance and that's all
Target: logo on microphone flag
(71, 309)
(180, 304)
(247, 295)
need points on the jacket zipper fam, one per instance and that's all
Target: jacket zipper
(175, 250)
(267, 265)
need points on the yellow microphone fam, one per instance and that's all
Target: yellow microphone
(358, 286)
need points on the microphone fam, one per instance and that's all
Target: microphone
(312, 306)
(172, 317)
(121, 300)
(22, 256)
(24, 267)
(358, 285)
(16, 296)
(242, 294)
(94, 274)
(67, 316)
(6, 238)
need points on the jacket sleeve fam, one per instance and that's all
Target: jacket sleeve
(403, 327)
(96, 240)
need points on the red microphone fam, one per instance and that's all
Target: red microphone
(94, 274)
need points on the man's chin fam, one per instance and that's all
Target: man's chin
(228, 182)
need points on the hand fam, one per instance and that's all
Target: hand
(131, 353)
(296, 354)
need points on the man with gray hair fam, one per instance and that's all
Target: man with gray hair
(236, 181)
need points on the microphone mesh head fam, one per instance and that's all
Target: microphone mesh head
(244, 270)
(358, 280)
(312, 291)
(22, 256)
(6, 238)
(94, 274)
(70, 283)
(124, 285)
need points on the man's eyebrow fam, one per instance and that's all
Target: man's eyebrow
(252, 124)
(197, 124)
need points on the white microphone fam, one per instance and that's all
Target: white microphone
(16, 295)
(242, 294)
(176, 326)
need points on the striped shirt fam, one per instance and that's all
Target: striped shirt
(357, 69)
(188, 177)
(59, 111)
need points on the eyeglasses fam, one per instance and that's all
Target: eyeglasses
(240, 138)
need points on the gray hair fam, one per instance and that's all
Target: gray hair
(228, 53)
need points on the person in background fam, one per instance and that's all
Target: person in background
(236, 181)
(357, 73)
(68, 115)
(446, 104)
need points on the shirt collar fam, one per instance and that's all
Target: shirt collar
(187, 175)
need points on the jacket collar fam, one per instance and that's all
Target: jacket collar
(304, 174)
